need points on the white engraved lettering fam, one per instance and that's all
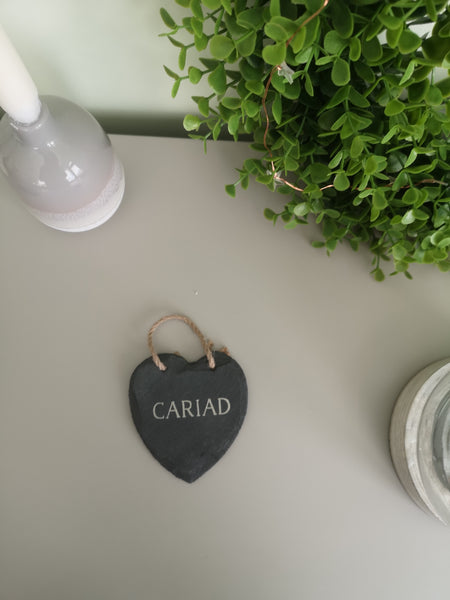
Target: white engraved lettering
(186, 406)
(184, 409)
(173, 409)
(154, 410)
(209, 406)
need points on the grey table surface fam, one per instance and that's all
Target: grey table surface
(306, 503)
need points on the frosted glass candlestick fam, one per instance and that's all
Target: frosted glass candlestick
(63, 166)
(54, 153)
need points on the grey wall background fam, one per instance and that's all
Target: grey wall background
(107, 56)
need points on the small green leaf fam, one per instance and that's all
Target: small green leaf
(231, 102)
(209, 63)
(340, 96)
(291, 225)
(379, 200)
(171, 73)
(275, 9)
(342, 18)
(200, 41)
(444, 31)
(250, 73)
(378, 274)
(175, 88)
(364, 71)
(274, 54)
(227, 6)
(269, 214)
(191, 122)
(197, 26)
(216, 130)
(278, 83)
(221, 46)
(333, 214)
(408, 218)
(292, 90)
(312, 5)
(341, 182)
(374, 214)
(357, 147)
(370, 165)
(358, 99)
(393, 36)
(231, 190)
(233, 28)
(355, 49)
(444, 86)
(252, 18)
(399, 251)
(319, 172)
(251, 108)
(175, 42)
(411, 158)
(390, 134)
(298, 41)
(336, 160)
(339, 122)
(417, 91)
(251, 166)
(233, 124)
(389, 21)
(246, 44)
(277, 109)
(182, 58)
(290, 164)
(194, 75)
(196, 9)
(434, 96)
(408, 42)
(324, 60)
(435, 49)
(356, 122)
(372, 50)
(276, 32)
(308, 85)
(333, 43)
(420, 215)
(408, 72)
(301, 209)
(394, 107)
(203, 106)
(431, 9)
(256, 87)
(167, 19)
(212, 4)
(218, 79)
(340, 73)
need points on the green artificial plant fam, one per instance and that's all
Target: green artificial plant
(343, 102)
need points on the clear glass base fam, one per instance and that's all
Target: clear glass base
(93, 214)
(441, 442)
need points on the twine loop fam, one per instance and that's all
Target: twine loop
(206, 344)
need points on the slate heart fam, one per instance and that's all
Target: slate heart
(189, 415)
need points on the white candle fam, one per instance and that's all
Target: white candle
(18, 93)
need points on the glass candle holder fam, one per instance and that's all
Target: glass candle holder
(420, 439)
(63, 166)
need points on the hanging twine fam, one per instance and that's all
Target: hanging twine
(207, 345)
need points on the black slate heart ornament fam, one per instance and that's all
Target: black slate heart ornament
(188, 413)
